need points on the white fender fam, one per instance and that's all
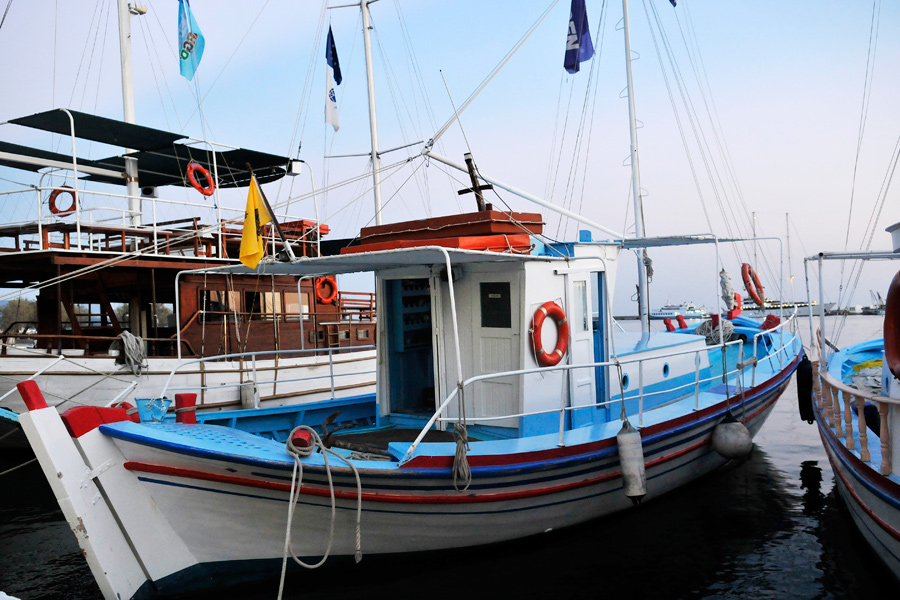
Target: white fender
(731, 439)
(631, 459)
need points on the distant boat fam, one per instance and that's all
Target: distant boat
(857, 394)
(774, 306)
(688, 310)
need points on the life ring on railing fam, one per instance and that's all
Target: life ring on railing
(55, 194)
(751, 282)
(320, 289)
(552, 310)
(892, 327)
(192, 177)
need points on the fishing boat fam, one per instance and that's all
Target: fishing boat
(687, 310)
(507, 403)
(856, 392)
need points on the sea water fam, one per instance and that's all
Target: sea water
(771, 526)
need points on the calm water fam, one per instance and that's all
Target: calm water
(770, 527)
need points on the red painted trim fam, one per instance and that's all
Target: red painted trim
(455, 498)
(494, 243)
(31, 394)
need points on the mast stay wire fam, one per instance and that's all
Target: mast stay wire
(863, 117)
(696, 128)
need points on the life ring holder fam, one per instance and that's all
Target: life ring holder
(751, 282)
(320, 286)
(892, 327)
(555, 312)
(62, 212)
(192, 170)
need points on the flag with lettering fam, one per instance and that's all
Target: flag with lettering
(190, 40)
(579, 47)
(255, 217)
(331, 57)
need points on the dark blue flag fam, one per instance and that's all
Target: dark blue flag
(331, 57)
(579, 47)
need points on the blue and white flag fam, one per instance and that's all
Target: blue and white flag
(190, 40)
(579, 47)
(331, 57)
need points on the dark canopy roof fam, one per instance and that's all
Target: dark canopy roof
(162, 158)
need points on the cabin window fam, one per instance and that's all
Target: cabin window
(262, 305)
(496, 308)
(580, 316)
(216, 303)
(292, 304)
(362, 334)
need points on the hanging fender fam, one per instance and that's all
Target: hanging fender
(55, 194)
(192, 177)
(552, 310)
(321, 284)
(751, 282)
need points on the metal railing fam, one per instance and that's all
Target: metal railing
(793, 344)
(251, 357)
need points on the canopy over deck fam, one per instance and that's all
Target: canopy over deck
(162, 156)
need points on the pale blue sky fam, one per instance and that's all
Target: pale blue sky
(786, 79)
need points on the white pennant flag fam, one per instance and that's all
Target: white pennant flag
(331, 112)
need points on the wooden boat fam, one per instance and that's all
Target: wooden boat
(100, 283)
(857, 396)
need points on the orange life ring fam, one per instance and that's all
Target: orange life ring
(892, 327)
(192, 177)
(55, 194)
(320, 286)
(552, 310)
(751, 282)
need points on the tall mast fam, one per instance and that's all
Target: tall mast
(643, 300)
(131, 169)
(373, 123)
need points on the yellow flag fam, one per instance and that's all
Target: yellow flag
(255, 217)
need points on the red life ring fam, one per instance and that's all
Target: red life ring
(892, 327)
(320, 286)
(751, 282)
(192, 177)
(552, 310)
(55, 194)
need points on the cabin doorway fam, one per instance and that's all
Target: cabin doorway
(410, 346)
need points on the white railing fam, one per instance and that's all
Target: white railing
(251, 357)
(793, 345)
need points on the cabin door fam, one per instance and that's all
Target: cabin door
(581, 346)
(497, 336)
(410, 346)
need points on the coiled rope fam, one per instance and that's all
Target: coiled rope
(133, 347)
(299, 453)
(712, 334)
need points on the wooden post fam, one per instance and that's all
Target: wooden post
(827, 404)
(836, 404)
(817, 384)
(886, 466)
(863, 429)
(848, 420)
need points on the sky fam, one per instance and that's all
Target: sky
(777, 110)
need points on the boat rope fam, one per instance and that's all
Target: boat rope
(462, 473)
(298, 453)
(711, 333)
(133, 347)
(18, 467)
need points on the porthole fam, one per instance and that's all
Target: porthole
(625, 381)
(666, 370)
